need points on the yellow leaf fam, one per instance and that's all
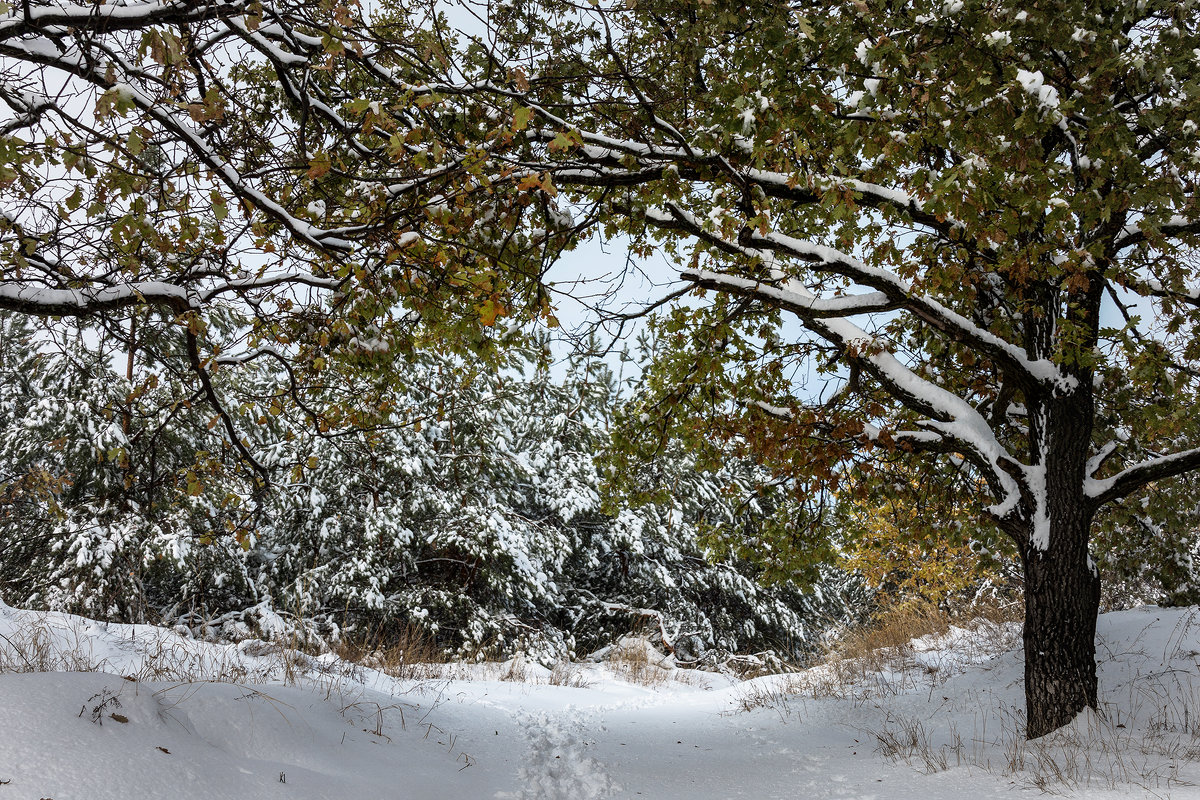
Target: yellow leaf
(488, 311)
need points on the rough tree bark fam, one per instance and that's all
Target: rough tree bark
(1062, 600)
(1062, 584)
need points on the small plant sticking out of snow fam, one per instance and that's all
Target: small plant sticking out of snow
(100, 702)
(782, 693)
(905, 739)
(516, 669)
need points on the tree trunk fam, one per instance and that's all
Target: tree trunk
(1062, 600)
(1062, 584)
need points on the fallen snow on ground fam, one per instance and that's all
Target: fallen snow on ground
(158, 716)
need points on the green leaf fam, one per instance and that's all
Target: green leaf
(561, 142)
(521, 117)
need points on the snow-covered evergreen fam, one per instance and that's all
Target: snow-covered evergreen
(476, 516)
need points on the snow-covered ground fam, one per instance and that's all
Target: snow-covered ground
(941, 722)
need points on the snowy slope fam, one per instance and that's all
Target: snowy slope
(945, 725)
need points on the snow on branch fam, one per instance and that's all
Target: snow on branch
(1012, 358)
(771, 410)
(948, 417)
(1177, 225)
(31, 298)
(77, 42)
(27, 108)
(292, 277)
(603, 159)
(951, 418)
(32, 38)
(27, 17)
(1132, 478)
(892, 292)
(804, 305)
(41, 300)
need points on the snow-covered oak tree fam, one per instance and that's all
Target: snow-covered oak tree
(975, 217)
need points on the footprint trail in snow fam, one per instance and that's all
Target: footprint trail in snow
(558, 764)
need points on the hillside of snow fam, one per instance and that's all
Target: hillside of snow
(94, 711)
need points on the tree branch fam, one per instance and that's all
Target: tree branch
(1130, 479)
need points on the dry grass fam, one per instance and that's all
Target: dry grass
(58, 643)
(890, 654)
(408, 654)
(1095, 752)
(518, 670)
(907, 740)
(635, 660)
(781, 693)
(564, 673)
(49, 642)
(1145, 734)
(42, 647)
(892, 631)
